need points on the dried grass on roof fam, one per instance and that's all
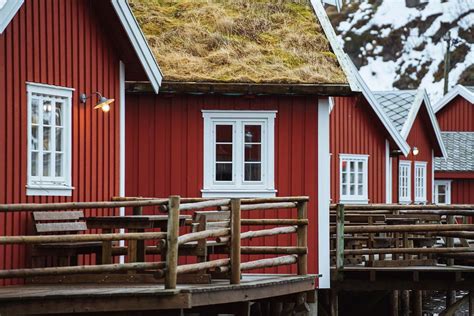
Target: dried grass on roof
(238, 41)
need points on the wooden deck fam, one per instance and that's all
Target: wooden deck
(98, 298)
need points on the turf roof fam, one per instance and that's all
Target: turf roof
(238, 41)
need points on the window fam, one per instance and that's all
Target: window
(353, 179)
(238, 153)
(404, 182)
(442, 192)
(420, 182)
(49, 140)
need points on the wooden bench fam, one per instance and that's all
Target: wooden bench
(58, 223)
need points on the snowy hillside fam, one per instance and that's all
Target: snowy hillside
(395, 46)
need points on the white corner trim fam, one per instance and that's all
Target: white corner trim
(8, 12)
(139, 43)
(122, 146)
(368, 94)
(323, 194)
(457, 90)
(388, 173)
(342, 57)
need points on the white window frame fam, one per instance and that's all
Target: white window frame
(446, 183)
(421, 180)
(404, 184)
(355, 199)
(50, 186)
(238, 187)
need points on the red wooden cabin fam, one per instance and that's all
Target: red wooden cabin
(454, 177)
(411, 114)
(53, 148)
(235, 127)
(363, 140)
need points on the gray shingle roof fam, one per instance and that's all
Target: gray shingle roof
(397, 105)
(460, 148)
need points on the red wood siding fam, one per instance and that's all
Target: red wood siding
(462, 191)
(164, 139)
(356, 129)
(59, 43)
(457, 115)
(420, 136)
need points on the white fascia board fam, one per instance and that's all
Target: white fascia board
(415, 107)
(139, 43)
(435, 124)
(458, 90)
(394, 134)
(342, 57)
(8, 12)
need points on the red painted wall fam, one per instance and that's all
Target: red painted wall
(164, 139)
(462, 191)
(356, 129)
(457, 115)
(421, 136)
(59, 43)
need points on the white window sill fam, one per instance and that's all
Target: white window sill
(404, 202)
(213, 193)
(48, 190)
(348, 201)
(421, 202)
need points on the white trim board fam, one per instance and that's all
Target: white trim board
(139, 43)
(8, 12)
(122, 147)
(323, 194)
(458, 90)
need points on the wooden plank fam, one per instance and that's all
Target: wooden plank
(60, 227)
(58, 215)
(78, 238)
(172, 243)
(282, 221)
(235, 265)
(266, 263)
(274, 250)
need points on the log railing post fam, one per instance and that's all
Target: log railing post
(235, 241)
(302, 238)
(172, 243)
(339, 240)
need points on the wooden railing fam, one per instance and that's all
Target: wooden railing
(408, 234)
(223, 232)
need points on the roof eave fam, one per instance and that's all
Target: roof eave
(459, 90)
(139, 43)
(9, 11)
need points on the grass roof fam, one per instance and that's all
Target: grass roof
(243, 41)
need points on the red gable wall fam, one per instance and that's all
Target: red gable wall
(457, 115)
(356, 129)
(60, 43)
(164, 137)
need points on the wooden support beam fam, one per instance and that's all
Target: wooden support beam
(394, 303)
(417, 303)
(203, 234)
(433, 228)
(302, 238)
(172, 243)
(194, 267)
(267, 263)
(235, 265)
(452, 308)
(265, 250)
(49, 239)
(282, 221)
(340, 241)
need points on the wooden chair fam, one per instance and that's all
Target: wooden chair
(56, 223)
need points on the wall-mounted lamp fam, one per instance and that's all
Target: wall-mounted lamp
(103, 104)
(415, 151)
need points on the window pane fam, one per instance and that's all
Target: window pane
(59, 114)
(59, 165)
(442, 199)
(344, 177)
(352, 192)
(360, 178)
(359, 189)
(223, 133)
(223, 172)
(253, 133)
(253, 172)
(360, 166)
(47, 108)
(59, 139)
(46, 138)
(352, 178)
(253, 152)
(344, 166)
(47, 165)
(224, 152)
(34, 111)
(441, 189)
(352, 166)
(34, 164)
(344, 189)
(34, 137)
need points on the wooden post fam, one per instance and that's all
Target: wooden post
(172, 243)
(394, 303)
(334, 303)
(302, 235)
(471, 302)
(106, 249)
(450, 241)
(235, 241)
(139, 244)
(406, 303)
(339, 241)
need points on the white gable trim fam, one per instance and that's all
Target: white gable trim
(395, 135)
(139, 43)
(7, 13)
(457, 90)
(422, 97)
(342, 58)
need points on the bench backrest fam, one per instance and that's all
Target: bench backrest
(59, 222)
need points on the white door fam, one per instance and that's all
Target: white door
(442, 192)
